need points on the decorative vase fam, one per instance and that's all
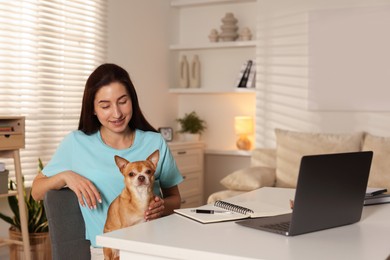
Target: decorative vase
(195, 72)
(213, 36)
(40, 245)
(184, 72)
(229, 28)
(188, 137)
(246, 34)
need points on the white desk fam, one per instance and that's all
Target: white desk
(176, 237)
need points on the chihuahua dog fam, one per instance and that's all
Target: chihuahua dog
(129, 207)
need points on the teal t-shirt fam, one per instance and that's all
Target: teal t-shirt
(90, 157)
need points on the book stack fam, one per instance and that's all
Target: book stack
(246, 77)
(6, 128)
(376, 196)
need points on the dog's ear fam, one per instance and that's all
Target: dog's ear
(120, 162)
(154, 157)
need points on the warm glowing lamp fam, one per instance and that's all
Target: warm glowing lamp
(243, 126)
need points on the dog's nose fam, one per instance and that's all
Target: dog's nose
(141, 178)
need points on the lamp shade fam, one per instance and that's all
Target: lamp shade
(243, 125)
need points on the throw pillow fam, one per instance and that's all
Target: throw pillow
(379, 173)
(249, 178)
(291, 146)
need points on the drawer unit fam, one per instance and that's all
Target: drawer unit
(189, 160)
(11, 142)
(191, 185)
(11, 133)
(191, 202)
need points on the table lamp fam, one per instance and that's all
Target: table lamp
(243, 126)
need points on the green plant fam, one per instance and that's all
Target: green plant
(37, 221)
(191, 123)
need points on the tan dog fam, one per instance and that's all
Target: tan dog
(129, 207)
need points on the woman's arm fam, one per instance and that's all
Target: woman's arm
(161, 207)
(81, 186)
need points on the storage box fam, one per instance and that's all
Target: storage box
(4, 182)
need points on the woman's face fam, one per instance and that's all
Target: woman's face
(113, 107)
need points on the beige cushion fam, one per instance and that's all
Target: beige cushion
(380, 167)
(265, 157)
(291, 146)
(249, 178)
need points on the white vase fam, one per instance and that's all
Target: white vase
(188, 137)
(184, 72)
(195, 72)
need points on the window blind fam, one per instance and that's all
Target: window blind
(48, 48)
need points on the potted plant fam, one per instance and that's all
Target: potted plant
(191, 126)
(37, 225)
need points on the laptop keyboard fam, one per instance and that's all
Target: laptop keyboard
(282, 226)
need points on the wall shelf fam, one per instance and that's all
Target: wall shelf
(211, 91)
(213, 45)
(183, 3)
(221, 63)
(228, 152)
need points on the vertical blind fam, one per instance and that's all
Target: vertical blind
(48, 48)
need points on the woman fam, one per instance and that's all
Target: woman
(111, 123)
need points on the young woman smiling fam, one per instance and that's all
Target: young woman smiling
(111, 123)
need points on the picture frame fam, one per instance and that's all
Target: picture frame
(167, 133)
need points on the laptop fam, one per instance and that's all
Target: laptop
(330, 193)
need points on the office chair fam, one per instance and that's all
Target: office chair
(66, 226)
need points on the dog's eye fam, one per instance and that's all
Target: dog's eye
(148, 172)
(131, 174)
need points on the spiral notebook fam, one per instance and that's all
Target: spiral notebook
(252, 204)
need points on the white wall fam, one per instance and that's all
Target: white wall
(138, 40)
(284, 70)
(139, 35)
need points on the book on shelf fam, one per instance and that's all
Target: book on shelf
(251, 83)
(246, 76)
(6, 128)
(235, 208)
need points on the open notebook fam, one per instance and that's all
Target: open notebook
(252, 204)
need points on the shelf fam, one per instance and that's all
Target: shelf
(9, 194)
(213, 45)
(211, 91)
(228, 152)
(9, 148)
(184, 3)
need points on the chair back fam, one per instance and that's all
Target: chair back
(66, 226)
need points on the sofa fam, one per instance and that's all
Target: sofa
(279, 166)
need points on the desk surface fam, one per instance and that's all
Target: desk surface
(176, 237)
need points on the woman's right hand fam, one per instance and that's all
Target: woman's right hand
(84, 189)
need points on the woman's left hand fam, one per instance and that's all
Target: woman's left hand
(156, 209)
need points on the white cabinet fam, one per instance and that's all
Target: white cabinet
(220, 61)
(189, 160)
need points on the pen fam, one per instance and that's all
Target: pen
(210, 211)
